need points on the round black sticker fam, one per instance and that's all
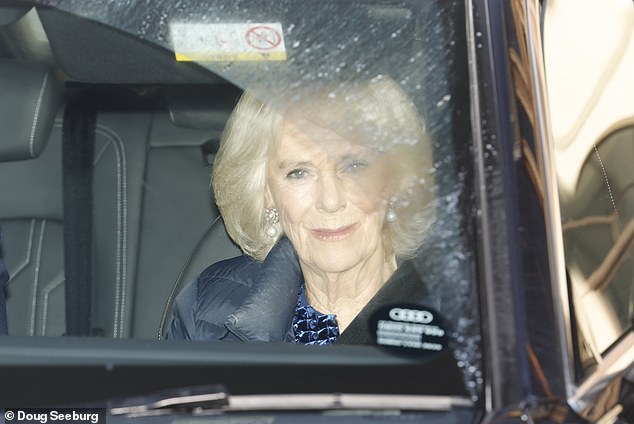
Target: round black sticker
(410, 329)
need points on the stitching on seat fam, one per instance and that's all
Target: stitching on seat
(122, 225)
(36, 116)
(36, 278)
(29, 249)
(45, 295)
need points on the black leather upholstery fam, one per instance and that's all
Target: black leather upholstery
(30, 199)
(30, 99)
(152, 208)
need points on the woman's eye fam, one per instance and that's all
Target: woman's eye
(297, 174)
(355, 165)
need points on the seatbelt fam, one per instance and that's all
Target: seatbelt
(78, 139)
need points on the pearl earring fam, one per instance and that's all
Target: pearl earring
(271, 217)
(390, 215)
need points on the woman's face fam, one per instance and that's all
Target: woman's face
(330, 195)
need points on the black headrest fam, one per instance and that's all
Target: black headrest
(30, 98)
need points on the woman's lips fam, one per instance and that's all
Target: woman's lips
(336, 234)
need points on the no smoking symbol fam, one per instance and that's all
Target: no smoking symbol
(263, 38)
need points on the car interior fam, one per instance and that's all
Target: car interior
(155, 129)
(106, 209)
(112, 123)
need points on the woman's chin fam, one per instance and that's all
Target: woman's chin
(338, 257)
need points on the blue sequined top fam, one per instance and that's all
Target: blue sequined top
(312, 327)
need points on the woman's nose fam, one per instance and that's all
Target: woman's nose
(331, 197)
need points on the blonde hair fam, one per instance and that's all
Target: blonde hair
(374, 113)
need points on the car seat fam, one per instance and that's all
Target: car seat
(30, 207)
(152, 209)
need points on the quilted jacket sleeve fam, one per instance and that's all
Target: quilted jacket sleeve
(201, 308)
(184, 314)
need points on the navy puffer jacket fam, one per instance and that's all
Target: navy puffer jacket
(241, 299)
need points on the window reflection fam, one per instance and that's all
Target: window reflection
(590, 90)
(598, 224)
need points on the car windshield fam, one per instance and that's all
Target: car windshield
(104, 248)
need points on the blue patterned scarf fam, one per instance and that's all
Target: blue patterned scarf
(312, 327)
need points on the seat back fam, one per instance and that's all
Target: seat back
(30, 199)
(152, 206)
(179, 234)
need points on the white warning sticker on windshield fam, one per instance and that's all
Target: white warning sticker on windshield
(227, 42)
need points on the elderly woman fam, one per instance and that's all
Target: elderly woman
(326, 195)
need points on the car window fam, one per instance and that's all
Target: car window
(592, 116)
(153, 88)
